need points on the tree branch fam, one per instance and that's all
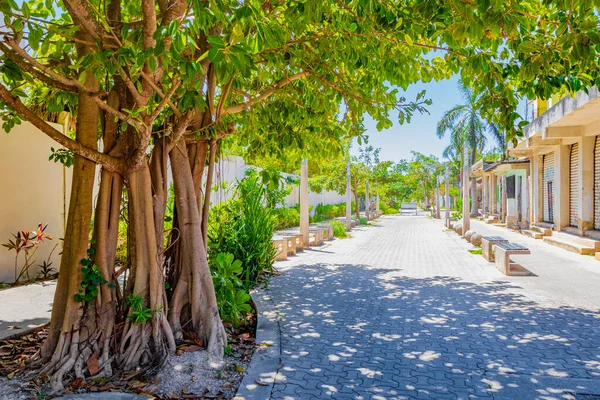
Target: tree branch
(247, 104)
(20, 61)
(15, 103)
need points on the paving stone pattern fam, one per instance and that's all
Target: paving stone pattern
(402, 310)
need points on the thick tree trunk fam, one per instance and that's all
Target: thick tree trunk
(356, 204)
(208, 190)
(145, 341)
(194, 288)
(72, 338)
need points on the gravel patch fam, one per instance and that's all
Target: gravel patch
(194, 373)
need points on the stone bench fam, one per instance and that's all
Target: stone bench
(315, 237)
(281, 245)
(503, 262)
(327, 231)
(291, 245)
(408, 206)
(487, 246)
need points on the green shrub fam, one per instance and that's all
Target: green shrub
(339, 229)
(244, 227)
(232, 298)
(363, 221)
(328, 211)
(286, 217)
(388, 210)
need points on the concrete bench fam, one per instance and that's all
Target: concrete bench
(409, 207)
(291, 244)
(503, 262)
(315, 237)
(281, 245)
(327, 231)
(487, 245)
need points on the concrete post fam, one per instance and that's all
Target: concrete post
(437, 197)
(561, 191)
(348, 199)
(484, 190)
(466, 208)
(367, 201)
(447, 196)
(586, 184)
(304, 217)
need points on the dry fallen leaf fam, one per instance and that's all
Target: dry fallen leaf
(13, 327)
(261, 383)
(92, 364)
(239, 369)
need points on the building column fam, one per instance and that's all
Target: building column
(538, 201)
(586, 184)
(486, 189)
(304, 216)
(561, 187)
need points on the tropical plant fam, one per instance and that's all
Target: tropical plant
(466, 128)
(339, 229)
(232, 298)
(244, 227)
(26, 242)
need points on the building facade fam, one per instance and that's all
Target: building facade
(552, 180)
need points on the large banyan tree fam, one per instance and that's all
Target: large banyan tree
(157, 84)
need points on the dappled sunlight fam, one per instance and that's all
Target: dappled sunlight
(395, 336)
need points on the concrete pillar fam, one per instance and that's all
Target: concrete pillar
(561, 187)
(304, 217)
(437, 197)
(348, 199)
(447, 202)
(538, 188)
(367, 201)
(493, 207)
(466, 208)
(586, 184)
(511, 206)
(503, 198)
(485, 193)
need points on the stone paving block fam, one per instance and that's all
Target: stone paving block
(382, 314)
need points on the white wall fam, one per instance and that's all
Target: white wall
(36, 190)
(230, 169)
(33, 192)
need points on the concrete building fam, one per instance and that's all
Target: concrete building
(550, 188)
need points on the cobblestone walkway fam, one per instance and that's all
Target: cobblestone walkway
(402, 310)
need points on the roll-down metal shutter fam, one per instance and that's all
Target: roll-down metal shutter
(597, 184)
(548, 187)
(574, 185)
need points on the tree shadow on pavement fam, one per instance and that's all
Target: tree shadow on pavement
(351, 331)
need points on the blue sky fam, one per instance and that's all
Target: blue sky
(419, 135)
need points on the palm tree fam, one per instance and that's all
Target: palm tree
(500, 138)
(466, 128)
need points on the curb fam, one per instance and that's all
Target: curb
(262, 373)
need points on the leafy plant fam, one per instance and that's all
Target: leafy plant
(363, 221)
(91, 279)
(138, 313)
(63, 156)
(244, 227)
(232, 298)
(339, 229)
(28, 243)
